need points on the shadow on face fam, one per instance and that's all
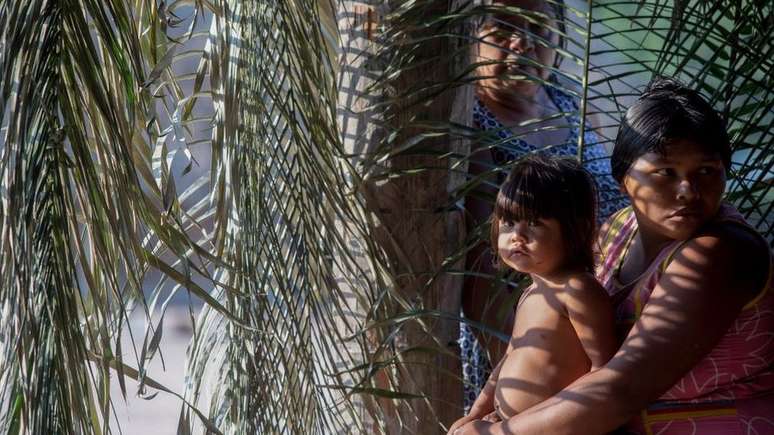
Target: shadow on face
(675, 193)
(520, 42)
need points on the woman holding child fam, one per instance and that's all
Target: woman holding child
(690, 284)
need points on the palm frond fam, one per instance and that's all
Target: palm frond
(327, 237)
(88, 214)
(276, 119)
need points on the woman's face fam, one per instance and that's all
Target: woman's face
(522, 46)
(675, 193)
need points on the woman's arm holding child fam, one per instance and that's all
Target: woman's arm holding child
(687, 313)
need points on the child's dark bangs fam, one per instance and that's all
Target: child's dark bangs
(524, 199)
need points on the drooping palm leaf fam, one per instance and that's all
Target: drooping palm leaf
(329, 310)
(283, 180)
(88, 214)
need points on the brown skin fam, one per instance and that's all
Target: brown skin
(536, 247)
(673, 195)
(688, 312)
(563, 328)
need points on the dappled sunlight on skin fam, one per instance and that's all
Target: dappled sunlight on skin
(687, 276)
(668, 315)
(548, 355)
(674, 194)
(660, 329)
(672, 350)
(530, 392)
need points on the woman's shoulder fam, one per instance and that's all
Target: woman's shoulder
(730, 239)
(730, 232)
(732, 248)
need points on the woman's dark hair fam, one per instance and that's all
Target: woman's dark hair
(551, 187)
(666, 111)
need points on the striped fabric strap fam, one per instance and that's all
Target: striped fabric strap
(615, 223)
(679, 412)
(611, 238)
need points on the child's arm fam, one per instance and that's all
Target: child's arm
(484, 403)
(591, 314)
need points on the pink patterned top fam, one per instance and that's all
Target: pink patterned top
(731, 390)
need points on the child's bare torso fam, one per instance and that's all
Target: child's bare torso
(546, 353)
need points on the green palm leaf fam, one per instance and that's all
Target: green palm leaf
(89, 213)
(326, 237)
(282, 181)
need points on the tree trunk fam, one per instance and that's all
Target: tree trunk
(418, 226)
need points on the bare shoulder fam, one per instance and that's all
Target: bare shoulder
(733, 235)
(590, 312)
(583, 288)
(584, 282)
(725, 252)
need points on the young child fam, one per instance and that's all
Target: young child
(544, 224)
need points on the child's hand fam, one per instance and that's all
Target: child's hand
(474, 427)
(461, 422)
(492, 417)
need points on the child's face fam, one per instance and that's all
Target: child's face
(531, 247)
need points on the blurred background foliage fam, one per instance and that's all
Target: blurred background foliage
(246, 155)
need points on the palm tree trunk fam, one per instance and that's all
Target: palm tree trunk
(419, 229)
